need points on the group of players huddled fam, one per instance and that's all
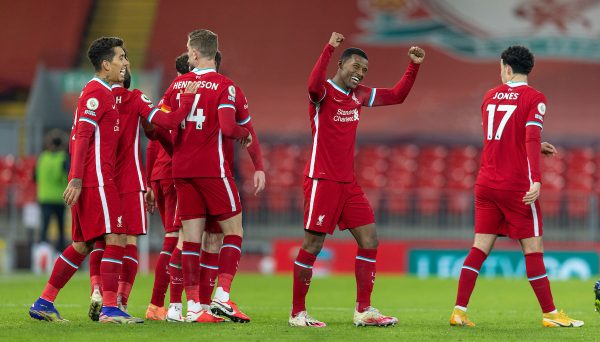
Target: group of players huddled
(189, 178)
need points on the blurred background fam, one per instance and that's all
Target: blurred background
(417, 162)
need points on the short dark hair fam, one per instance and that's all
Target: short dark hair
(352, 51)
(218, 58)
(205, 41)
(127, 80)
(181, 64)
(519, 58)
(102, 49)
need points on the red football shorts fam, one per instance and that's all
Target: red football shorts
(329, 203)
(97, 212)
(133, 206)
(166, 201)
(502, 212)
(199, 197)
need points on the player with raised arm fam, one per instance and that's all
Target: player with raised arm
(92, 192)
(331, 194)
(160, 193)
(508, 185)
(203, 181)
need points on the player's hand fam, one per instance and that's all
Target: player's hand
(247, 141)
(336, 39)
(548, 149)
(191, 87)
(150, 200)
(259, 182)
(72, 192)
(416, 54)
(532, 194)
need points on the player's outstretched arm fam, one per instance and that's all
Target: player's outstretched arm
(318, 76)
(397, 94)
(229, 127)
(171, 120)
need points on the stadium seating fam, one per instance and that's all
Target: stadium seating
(398, 179)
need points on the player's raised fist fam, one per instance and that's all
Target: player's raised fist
(336, 39)
(416, 54)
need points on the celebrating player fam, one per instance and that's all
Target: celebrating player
(212, 239)
(508, 185)
(92, 193)
(331, 195)
(202, 177)
(161, 193)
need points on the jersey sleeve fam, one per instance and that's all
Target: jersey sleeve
(92, 106)
(144, 105)
(537, 111)
(242, 116)
(226, 112)
(395, 95)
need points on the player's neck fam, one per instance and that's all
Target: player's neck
(205, 65)
(338, 81)
(518, 78)
(105, 78)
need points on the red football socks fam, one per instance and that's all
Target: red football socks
(110, 268)
(190, 261)
(128, 273)
(209, 269)
(302, 276)
(66, 265)
(364, 271)
(95, 259)
(229, 259)
(536, 274)
(176, 277)
(468, 276)
(161, 272)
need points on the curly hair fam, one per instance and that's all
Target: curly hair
(181, 64)
(519, 58)
(102, 49)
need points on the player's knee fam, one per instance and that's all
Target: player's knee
(370, 243)
(211, 243)
(83, 247)
(312, 246)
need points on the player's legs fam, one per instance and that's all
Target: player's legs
(95, 259)
(307, 255)
(229, 259)
(128, 272)
(66, 265)
(136, 222)
(156, 308)
(175, 312)
(212, 240)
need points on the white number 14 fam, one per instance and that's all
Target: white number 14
(491, 109)
(195, 115)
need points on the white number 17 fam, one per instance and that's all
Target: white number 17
(195, 115)
(491, 109)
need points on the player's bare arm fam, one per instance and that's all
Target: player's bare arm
(336, 39)
(72, 192)
(416, 54)
(548, 149)
(260, 181)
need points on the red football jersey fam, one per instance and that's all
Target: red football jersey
(334, 114)
(198, 142)
(506, 111)
(242, 117)
(334, 121)
(133, 106)
(96, 106)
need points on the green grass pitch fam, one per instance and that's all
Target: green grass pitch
(504, 310)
